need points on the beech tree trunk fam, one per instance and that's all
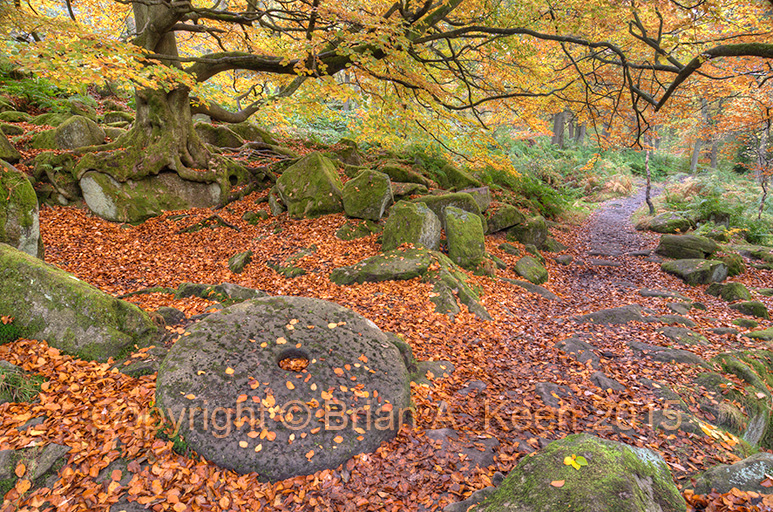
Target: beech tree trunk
(559, 121)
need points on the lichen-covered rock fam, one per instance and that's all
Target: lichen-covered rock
(19, 219)
(697, 271)
(617, 477)
(82, 106)
(52, 305)
(752, 308)
(230, 382)
(729, 292)
(531, 269)
(75, 132)
(218, 136)
(671, 223)
(734, 262)
(482, 196)
(682, 247)
(411, 223)
(393, 265)
(311, 187)
(7, 151)
(466, 241)
(368, 195)
(534, 232)
(138, 200)
(746, 476)
(460, 200)
(553, 245)
(502, 217)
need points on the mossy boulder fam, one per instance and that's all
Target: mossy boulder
(460, 200)
(52, 305)
(481, 195)
(50, 119)
(466, 240)
(13, 116)
(411, 223)
(748, 323)
(734, 262)
(250, 132)
(451, 177)
(746, 476)
(503, 216)
(400, 173)
(617, 477)
(218, 136)
(405, 190)
(19, 218)
(11, 130)
(729, 292)
(81, 106)
(393, 265)
(138, 200)
(671, 223)
(534, 231)
(208, 376)
(368, 195)
(237, 262)
(531, 269)
(696, 271)
(117, 116)
(7, 151)
(686, 247)
(311, 187)
(58, 169)
(764, 334)
(75, 132)
(752, 308)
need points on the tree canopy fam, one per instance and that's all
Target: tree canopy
(474, 62)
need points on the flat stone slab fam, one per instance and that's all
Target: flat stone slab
(666, 294)
(620, 315)
(579, 350)
(665, 354)
(342, 389)
(532, 288)
(683, 336)
(605, 263)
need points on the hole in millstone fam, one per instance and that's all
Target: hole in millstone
(293, 360)
(233, 180)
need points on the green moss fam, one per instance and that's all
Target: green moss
(311, 187)
(72, 309)
(466, 242)
(611, 477)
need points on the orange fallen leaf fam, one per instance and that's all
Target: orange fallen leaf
(558, 483)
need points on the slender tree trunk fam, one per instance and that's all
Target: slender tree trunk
(648, 190)
(713, 154)
(696, 151)
(764, 185)
(559, 120)
(579, 136)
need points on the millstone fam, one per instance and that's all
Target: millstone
(222, 383)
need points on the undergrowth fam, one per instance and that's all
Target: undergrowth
(18, 386)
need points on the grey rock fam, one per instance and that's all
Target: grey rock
(579, 350)
(551, 394)
(619, 315)
(746, 475)
(601, 380)
(212, 365)
(697, 271)
(682, 247)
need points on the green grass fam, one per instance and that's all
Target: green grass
(19, 386)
